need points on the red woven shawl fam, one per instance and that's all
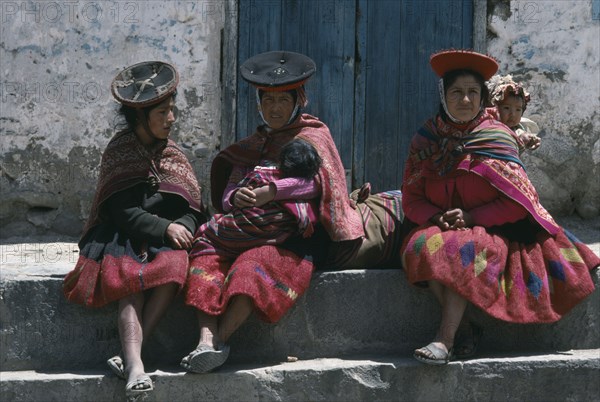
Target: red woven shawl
(126, 163)
(337, 213)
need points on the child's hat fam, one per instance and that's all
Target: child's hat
(500, 86)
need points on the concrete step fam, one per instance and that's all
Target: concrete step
(568, 376)
(343, 313)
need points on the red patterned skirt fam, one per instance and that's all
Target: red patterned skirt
(273, 277)
(109, 268)
(513, 281)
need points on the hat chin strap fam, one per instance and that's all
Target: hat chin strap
(292, 116)
(445, 106)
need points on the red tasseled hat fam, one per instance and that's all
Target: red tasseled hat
(448, 60)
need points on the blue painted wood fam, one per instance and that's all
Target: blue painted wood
(400, 86)
(373, 85)
(323, 30)
(358, 152)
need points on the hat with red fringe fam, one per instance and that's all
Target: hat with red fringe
(456, 59)
(145, 84)
(278, 70)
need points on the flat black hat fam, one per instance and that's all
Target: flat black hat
(278, 70)
(145, 84)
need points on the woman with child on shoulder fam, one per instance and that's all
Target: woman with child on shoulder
(479, 233)
(226, 288)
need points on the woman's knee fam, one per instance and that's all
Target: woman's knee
(135, 300)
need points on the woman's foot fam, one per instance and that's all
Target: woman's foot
(139, 384)
(467, 341)
(436, 353)
(115, 364)
(205, 358)
(138, 387)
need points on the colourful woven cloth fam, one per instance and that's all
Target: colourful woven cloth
(110, 267)
(438, 148)
(243, 228)
(523, 267)
(272, 276)
(512, 281)
(126, 162)
(337, 213)
(111, 264)
(382, 217)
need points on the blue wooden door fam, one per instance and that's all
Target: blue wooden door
(373, 85)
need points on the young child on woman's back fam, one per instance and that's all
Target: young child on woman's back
(510, 99)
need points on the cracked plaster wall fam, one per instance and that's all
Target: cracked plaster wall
(57, 115)
(554, 48)
(57, 60)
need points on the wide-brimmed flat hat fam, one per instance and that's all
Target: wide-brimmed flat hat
(449, 60)
(145, 84)
(278, 70)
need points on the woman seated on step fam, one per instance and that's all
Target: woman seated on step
(225, 289)
(479, 233)
(146, 208)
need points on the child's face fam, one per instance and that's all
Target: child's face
(511, 110)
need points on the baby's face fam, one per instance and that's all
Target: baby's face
(510, 110)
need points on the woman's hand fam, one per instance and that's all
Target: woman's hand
(457, 219)
(264, 194)
(438, 219)
(179, 236)
(244, 197)
(453, 219)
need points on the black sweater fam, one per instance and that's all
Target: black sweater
(144, 214)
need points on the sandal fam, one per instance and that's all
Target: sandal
(139, 387)
(466, 345)
(205, 358)
(432, 354)
(115, 364)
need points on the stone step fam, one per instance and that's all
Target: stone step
(571, 376)
(342, 313)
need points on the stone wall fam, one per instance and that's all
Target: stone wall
(57, 60)
(554, 48)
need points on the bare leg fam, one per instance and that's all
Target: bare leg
(452, 313)
(210, 352)
(438, 291)
(238, 311)
(131, 335)
(453, 308)
(213, 332)
(208, 329)
(156, 306)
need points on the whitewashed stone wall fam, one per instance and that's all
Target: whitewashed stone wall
(554, 47)
(57, 59)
